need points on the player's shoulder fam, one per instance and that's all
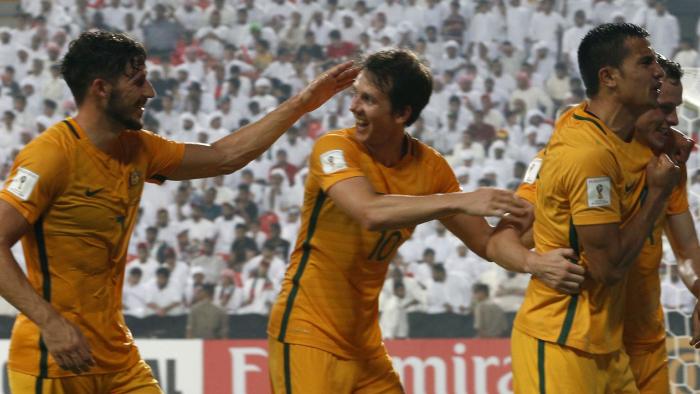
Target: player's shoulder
(59, 137)
(341, 138)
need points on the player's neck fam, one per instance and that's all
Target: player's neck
(390, 152)
(617, 116)
(101, 132)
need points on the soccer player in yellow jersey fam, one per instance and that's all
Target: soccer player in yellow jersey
(586, 198)
(368, 187)
(644, 333)
(72, 197)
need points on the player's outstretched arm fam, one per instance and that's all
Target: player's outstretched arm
(555, 268)
(63, 339)
(378, 212)
(611, 250)
(238, 149)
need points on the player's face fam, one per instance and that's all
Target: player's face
(639, 76)
(128, 98)
(374, 120)
(654, 126)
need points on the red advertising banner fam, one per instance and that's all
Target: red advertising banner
(425, 366)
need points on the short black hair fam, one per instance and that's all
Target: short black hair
(603, 46)
(162, 271)
(481, 288)
(401, 75)
(672, 69)
(99, 54)
(208, 288)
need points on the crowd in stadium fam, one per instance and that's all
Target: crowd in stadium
(503, 71)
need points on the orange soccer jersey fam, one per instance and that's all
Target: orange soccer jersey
(330, 291)
(82, 206)
(582, 180)
(644, 321)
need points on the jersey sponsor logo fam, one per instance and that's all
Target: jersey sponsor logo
(91, 193)
(532, 171)
(23, 183)
(598, 191)
(333, 161)
(134, 178)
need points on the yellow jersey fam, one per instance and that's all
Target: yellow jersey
(329, 296)
(583, 180)
(82, 205)
(644, 320)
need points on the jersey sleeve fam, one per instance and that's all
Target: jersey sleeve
(334, 158)
(38, 175)
(589, 180)
(678, 201)
(164, 156)
(527, 190)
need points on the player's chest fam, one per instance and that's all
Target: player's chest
(409, 180)
(101, 196)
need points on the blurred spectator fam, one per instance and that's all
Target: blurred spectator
(179, 271)
(489, 318)
(687, 55)
(145, 262)
(446, 293)
(210, 263)
(243, 246)
(674, 294)
(275, 241)
(161, 31)
(394, 317)
(206, 320)
(162, 298)
(133, 301)
(258, 290)
(664, 30)
(511, 291)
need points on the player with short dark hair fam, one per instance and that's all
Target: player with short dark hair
(368, 187)
(573, 342)
(72, 196)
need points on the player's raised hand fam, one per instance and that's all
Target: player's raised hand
(67, 345)
(327, 84)
(556, 270)
(487, 201)
(662, 173)
(678, 146)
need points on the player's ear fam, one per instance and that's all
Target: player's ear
(608, 76)
(100, 88)
(403, 115)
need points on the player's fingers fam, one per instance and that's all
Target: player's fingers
(569, 287)
(340, 68)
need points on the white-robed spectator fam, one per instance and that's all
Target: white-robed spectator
(558, 84)
(228, 13)
(510, 293)
(421, 270)
(435, 12)
(212, 37)
(211, 263)
(133, 294)
(190, 16)
(604, 11)
(188, 129)
(193, 64)
(228, 293)
(534, 97)
(198, 226)
(145, 262)
(687, 56)
(179, 270)
(518, 17)
(276, 266)
(280, 68)
(536, 120)
(412, 249)
(162, 297)
(258, 291)
(446, 293)
(350, 28)
(664, 32)
(485, 25)
(441, 241)
(572, 37)
(499, 163)
(546, 24)
(394, 311)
